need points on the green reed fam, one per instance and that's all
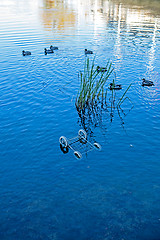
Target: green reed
(121, 100)
(92, 84)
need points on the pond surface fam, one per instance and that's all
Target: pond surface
(111, 194)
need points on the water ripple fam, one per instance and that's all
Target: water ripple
(111, 194)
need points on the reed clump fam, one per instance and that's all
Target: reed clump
(92, 83)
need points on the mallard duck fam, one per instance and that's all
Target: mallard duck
(24, 53)
(46, 51)
(115, 86)
(53, 48)
(147, 82)
(88, 51)
(101, 69)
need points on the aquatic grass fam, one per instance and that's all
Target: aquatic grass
(93, 102)
(121, 100)
(101, 113)
(92, 84)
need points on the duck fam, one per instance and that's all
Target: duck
(88, 51)
(53, 48)
(24, 53)
(48, 51)
(147, 82)
(115, 86)
(101, 69)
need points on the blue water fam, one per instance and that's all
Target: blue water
(45, 194)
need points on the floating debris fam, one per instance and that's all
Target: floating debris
(79, 144)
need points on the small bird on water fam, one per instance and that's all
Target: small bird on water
(46, 51)
(88, 51)
(53, 48)
(24, 53)
(147, 82)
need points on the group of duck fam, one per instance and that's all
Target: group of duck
(112, 86)
(51, 50)
(46, 51)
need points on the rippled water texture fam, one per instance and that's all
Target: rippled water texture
(46, 194)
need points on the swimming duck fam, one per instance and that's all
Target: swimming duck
(53, 48)
(24, 53)
(48, 51)
(147, 82)
(101, 69)
(115, 86)
(88, 51)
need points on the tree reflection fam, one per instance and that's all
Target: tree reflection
(56, 15)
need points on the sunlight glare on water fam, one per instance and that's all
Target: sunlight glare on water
(109, 194)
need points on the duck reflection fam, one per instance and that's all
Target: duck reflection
(57, 15)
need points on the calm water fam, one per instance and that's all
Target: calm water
(45, 194)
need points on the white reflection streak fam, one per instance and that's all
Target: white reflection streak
(152, 50)
(96, 18)
(118, 45)
(119, 21)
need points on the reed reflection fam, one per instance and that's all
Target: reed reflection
(103, 114)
